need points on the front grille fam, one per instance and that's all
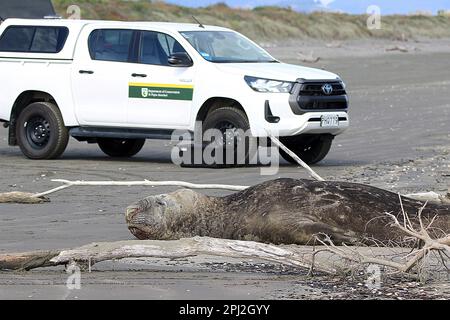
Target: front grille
(315, 89)
(325, 105)
(310, 96)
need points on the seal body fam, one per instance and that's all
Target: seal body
(284, 211)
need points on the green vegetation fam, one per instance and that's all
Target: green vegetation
(264, 23)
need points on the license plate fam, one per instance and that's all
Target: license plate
(329, 121)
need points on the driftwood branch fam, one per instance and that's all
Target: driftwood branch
(37, 198)
(97, 252)
(182, 184)
(412, 260)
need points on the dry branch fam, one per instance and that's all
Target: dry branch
(412, 260)
(38, 198)
(182, 184)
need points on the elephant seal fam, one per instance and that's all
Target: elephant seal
(283, 211)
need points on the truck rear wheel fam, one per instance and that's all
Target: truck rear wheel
(310, 148)
(40, 131)
(121, 148)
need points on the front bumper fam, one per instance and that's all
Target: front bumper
(272, 113)
(308, 123)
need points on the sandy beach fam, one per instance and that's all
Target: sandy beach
(399, 140)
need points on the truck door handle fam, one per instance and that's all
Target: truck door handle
(139, 75)
(86, 72)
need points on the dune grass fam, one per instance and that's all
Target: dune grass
(265, 23)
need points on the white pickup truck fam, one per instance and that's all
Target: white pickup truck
(119, 83)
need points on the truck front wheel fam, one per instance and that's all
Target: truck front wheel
(234, 126)
(121, 148)
(40, 131)
(310, 148)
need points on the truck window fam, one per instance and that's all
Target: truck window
(110, 45)
(156, 47)
(33, 39)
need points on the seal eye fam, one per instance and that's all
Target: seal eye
(160, 206)
(161, 203)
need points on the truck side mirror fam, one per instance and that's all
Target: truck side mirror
(180, 59)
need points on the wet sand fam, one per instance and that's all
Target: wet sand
(399, 140)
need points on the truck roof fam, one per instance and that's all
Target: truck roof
(169, 26)
(76, 26)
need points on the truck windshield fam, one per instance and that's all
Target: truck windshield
(226, 47)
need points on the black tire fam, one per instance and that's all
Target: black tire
(40, 131)
(121, 148)
(229, 118)
(310, 148)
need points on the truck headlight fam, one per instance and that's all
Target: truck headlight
(267, 85)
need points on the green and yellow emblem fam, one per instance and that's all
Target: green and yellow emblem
(161, 91)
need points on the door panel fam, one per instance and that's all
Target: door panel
(100, 98)
(159, 95)
(100, 79)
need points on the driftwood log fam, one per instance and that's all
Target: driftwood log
(22, 198)
(285, 211)
(94, 253)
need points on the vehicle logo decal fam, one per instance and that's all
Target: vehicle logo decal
(161, 91)
(327, 89)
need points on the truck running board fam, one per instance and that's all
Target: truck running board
(87, 133)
